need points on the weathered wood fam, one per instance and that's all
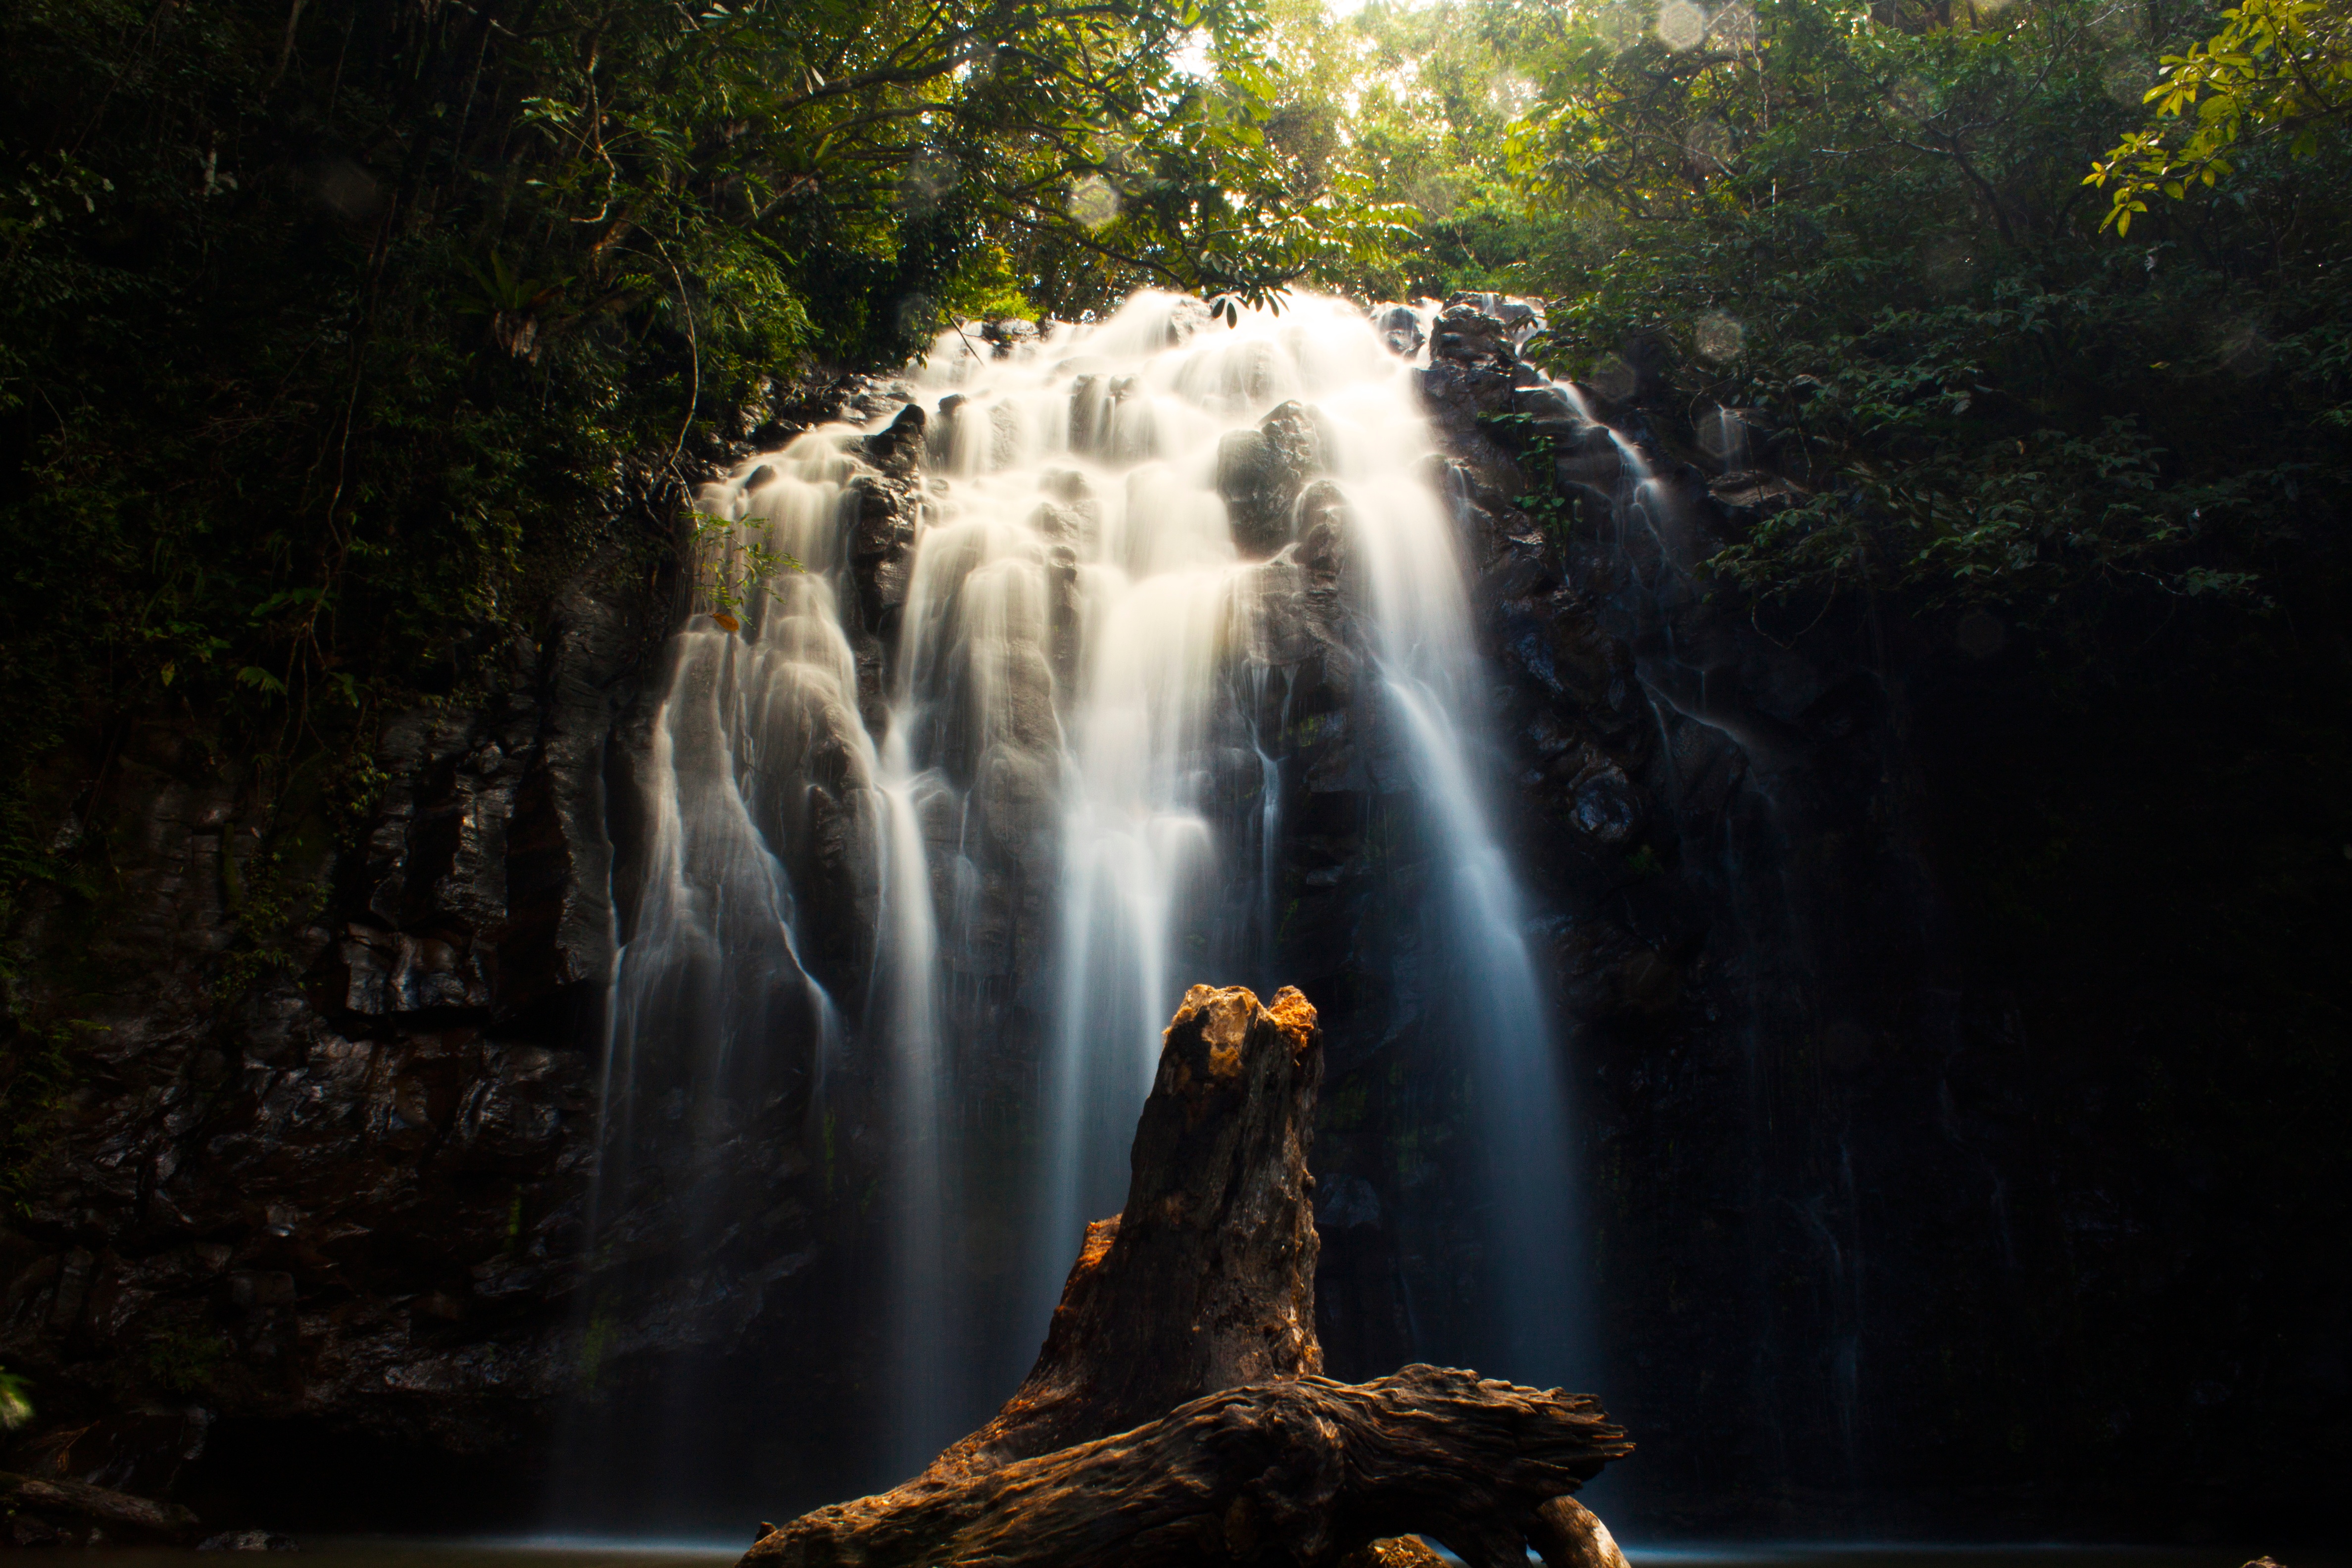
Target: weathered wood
(1300, 1472)
(1206, 1279)
(1175, 1415)
(1570, 1535)
(54, 1497)
(1394, 1552)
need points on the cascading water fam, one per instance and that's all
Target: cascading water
(1135, 545)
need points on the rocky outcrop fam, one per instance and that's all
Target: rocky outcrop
(882, 549)
(1664, 758)
(1262, 472)
(322, 1158)
(318, 1167)
(318, 1160)
(1824, 1174)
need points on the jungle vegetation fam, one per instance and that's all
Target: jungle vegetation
(333, 331)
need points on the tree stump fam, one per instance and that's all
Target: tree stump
(1175, 1415)
(1205, 1280)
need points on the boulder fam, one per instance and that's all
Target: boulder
(1010, 335)
(1261, 472)
(1468, 335)
(1399, 328)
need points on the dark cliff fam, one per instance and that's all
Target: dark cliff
(1949, 1002)
(310, 1192)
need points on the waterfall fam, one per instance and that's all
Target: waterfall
(1039, 760)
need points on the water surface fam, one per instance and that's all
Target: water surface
(556, 1552)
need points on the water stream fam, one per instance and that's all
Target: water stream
(1143, 549)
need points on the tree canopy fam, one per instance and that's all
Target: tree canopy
(1853, 246)
(331, 331)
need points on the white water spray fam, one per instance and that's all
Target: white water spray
(1072, 808)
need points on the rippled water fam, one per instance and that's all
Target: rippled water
(558, 1553)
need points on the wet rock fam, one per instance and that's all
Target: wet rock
(1589, 457)
(898, 446)
(1399, 328)
(1323, 532)
(238, 1216)
(248, 1540)
(1467, 335)
(1461, 397)
(1757, 492)
(1518, 316)
(1186, 318)
(882, 546)
(1091, 414)
(858, 399)
(393, 972)
(1261, 472)
(1550, 407)
(1605, 808)
(1010, 335)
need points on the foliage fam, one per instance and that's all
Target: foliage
(268, 906)
(1855, 251)
(2278, 68)
(332, 335)
(730, 566)
(184, 1360)
(16, 1400)
(36, 1075)
(1410, 105)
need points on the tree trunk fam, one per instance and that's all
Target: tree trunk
(1206, 1279)
(1175, 1415)
(76, 1506)
(1300, 1472)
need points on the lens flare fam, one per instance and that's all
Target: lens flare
(1093, 202)
(1681, 25)
(1719, 337)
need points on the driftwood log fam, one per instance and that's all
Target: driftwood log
(1176, 1414)
(1304, 1471)
(43, 1510)
(1205, 1280)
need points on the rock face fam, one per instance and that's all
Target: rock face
(1823, 1118)
(882, 548)
(308, 1211)
(327, 1144)
(1261, 473)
